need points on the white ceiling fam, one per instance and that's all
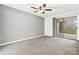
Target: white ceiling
(56, 8)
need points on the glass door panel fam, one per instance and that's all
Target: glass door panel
(60, 27)
(70, 27)
(66, 27)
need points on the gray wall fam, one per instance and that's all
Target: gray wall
(16, 24)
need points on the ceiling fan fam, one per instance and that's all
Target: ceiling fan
(41, 8)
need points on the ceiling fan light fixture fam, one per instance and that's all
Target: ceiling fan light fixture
(42, 9)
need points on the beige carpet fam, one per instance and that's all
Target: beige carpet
(42, 46)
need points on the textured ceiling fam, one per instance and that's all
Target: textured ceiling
(56, 8)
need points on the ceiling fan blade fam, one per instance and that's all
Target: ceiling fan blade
(44, 5)
(34, 7)
(36, 11)
(48, 10)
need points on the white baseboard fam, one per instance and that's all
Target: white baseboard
(19, 40)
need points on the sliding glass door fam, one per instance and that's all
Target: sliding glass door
(60, 27)
(70, 27)
(66, 27)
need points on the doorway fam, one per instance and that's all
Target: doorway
(65, 27)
